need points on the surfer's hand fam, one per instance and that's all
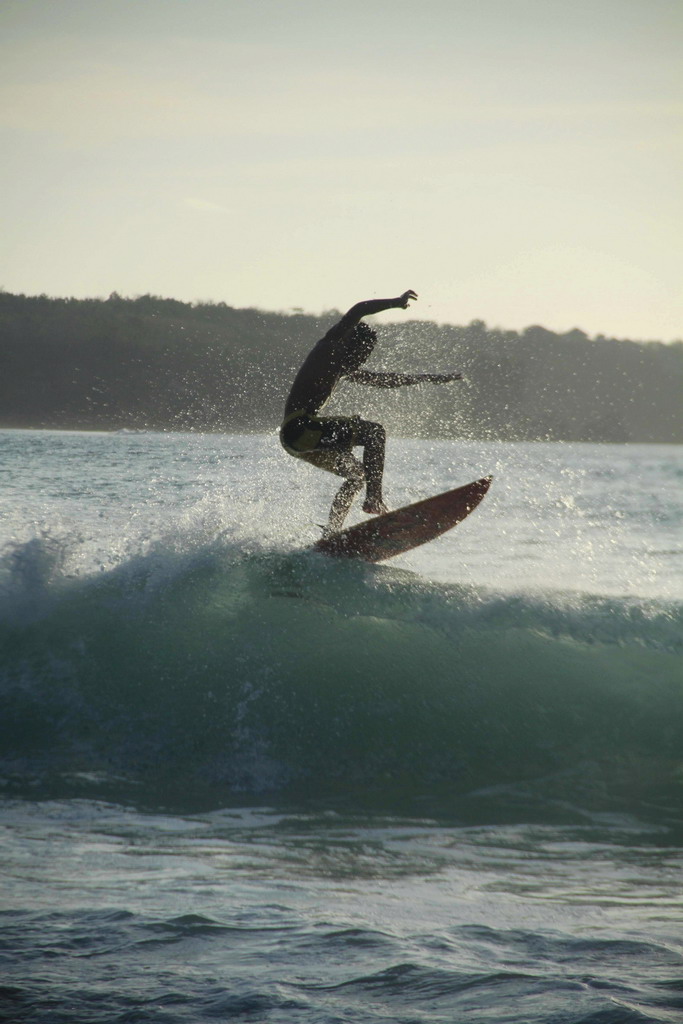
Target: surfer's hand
(404, 299)
(442, 378)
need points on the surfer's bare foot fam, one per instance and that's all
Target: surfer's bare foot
(374, 507)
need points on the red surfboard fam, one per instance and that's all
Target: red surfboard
(405, 528)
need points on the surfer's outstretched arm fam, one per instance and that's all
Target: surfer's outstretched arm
(367, 308)
(399, 380)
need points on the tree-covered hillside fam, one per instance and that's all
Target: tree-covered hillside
(158, 363)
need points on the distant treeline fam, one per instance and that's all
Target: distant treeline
(161, 364)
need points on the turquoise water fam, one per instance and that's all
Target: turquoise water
(244, 781)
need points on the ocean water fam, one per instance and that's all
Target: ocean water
(243, 781)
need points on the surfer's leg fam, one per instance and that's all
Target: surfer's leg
(342, 463)
(344, 434)
(373, 438)
(349, 467)
(332, 451)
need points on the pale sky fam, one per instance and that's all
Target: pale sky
(515, 161)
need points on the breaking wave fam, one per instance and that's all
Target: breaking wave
(224, 670)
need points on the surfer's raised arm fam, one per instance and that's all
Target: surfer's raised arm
(399, 380)
(367, 308)
(371, 306)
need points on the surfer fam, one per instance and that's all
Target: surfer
(327, 442)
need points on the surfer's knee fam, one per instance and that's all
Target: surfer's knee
(374, 434)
